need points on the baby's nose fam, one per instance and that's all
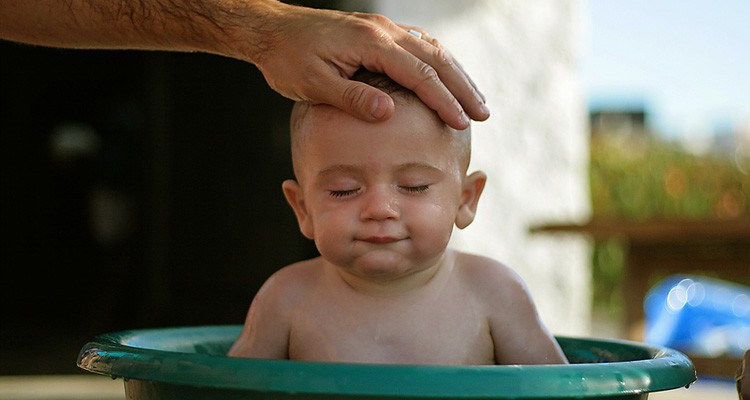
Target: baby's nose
(379, 204)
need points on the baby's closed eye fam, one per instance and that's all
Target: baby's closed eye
(343, 193)
(414, 188)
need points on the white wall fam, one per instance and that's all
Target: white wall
(523, 55)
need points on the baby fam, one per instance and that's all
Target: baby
(380, 201)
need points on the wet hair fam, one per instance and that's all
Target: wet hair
(378, 81)
(301, 109)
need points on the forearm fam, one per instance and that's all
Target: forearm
(304, 53)
(234, 28)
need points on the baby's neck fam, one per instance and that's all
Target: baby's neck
(396, 285)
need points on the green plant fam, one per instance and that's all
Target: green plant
(638, 178)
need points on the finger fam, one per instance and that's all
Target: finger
(415, 31)
(431, 40)
(356, 98)
(413, 28)
(450, 72)
(419, 77)
(471, 81)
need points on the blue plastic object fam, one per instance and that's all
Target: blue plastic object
(698, 315)
(189, 363)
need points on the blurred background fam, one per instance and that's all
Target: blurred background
(142, 189)
(669, 175)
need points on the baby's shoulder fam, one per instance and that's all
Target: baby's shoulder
(291, 281)
(485, 275)
(481, 267)
(298, 271)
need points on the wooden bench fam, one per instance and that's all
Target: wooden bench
(661, 247)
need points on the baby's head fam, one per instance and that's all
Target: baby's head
(395, 187)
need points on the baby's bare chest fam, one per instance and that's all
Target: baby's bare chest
(449, 330)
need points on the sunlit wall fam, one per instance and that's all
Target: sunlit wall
(523, 55)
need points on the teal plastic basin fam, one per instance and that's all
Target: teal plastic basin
(188, 363)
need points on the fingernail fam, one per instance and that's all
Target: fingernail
(484, 109)
(379, 108)
(464, 119)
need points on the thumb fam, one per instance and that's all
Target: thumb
(360, 100)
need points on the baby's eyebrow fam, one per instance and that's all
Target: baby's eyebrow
(427, 167)
(355, 169)
(337, 169)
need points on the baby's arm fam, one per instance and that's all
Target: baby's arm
(266, 331)
(519, 336)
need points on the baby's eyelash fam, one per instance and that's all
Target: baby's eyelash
(343, 193)
(415, 189)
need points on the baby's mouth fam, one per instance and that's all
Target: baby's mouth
(380, 239)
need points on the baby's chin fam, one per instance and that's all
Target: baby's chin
(384, 267)
(384, 263)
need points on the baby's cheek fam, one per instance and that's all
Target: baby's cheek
(433, 226)
(332, 234)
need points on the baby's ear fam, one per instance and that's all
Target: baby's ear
(472, 188)
(296, 199)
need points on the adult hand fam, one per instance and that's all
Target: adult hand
(312, 53)
(304, 53)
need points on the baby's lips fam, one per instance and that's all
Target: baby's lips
(380, 239)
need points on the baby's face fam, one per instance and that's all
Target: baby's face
(381, 198)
